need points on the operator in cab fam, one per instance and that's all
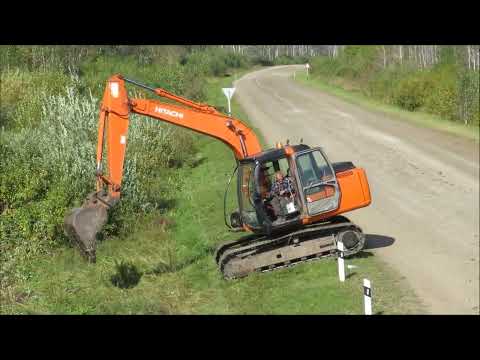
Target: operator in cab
(281, 193)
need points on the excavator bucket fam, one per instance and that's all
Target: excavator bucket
(83, 224)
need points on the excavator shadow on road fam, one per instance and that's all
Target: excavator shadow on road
(375, 241)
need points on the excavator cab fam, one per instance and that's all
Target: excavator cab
(315, 188)
(312, 227)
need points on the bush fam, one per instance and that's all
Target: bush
(174, 77)
(411, 92)
(290, 60)
(21, 103)
(358, 62)
(442, 97)
(236, 61)
(214, 61)
(262, 61)
(324, 66)
(60, 151)
(281, 60)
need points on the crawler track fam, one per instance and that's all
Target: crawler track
(239, 258)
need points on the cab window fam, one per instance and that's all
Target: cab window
(313, 168)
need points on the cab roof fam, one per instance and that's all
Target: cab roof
(273, 154)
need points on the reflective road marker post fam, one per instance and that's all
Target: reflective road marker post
(229, 93)
(367, 296)
(341, 262)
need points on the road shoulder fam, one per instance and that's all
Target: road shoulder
(420, 119)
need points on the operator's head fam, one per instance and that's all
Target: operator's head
(279, 176)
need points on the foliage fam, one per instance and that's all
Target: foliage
(447, 89)
(214, 61)
(174, 77)
(60, 151)
(21, 100)
(48, 141)
(280, 60)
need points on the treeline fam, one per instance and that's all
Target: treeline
(27, 71)
(276, 54)
(441, 80)
(421, 56)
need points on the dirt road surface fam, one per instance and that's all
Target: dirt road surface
(424, 183)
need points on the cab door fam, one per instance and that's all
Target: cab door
(319, 186)
(247, 195)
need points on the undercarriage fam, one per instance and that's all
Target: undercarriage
(256, 253)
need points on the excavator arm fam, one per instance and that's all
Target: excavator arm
(204, 119)
(82, 224)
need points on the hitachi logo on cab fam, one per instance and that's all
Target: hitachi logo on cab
(169, 112)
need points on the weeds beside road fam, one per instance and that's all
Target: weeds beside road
(419, 118)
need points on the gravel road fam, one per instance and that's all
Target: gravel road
(424, 217)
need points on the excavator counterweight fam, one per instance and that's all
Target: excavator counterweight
(289, 226)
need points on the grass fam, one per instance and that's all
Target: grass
(166, 266)
(419, 118)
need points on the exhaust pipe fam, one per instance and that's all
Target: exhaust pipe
(81, 225)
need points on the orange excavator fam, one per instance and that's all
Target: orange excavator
(306, 225)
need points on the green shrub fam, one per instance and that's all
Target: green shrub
(290, 60)
(442, 97)
(262, 61)
(324, 66)
(411, 92)
(358, 61)
(214, 61)
(236, 61)
(48, 169)
(21, 103)
(173, 77)
(341, 66)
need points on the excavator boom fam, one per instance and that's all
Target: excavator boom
(83, 224)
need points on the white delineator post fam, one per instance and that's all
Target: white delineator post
(229, 93)
(367, 296)
(308, 67)
(341, 262)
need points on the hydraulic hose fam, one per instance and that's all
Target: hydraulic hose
(225, 198)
